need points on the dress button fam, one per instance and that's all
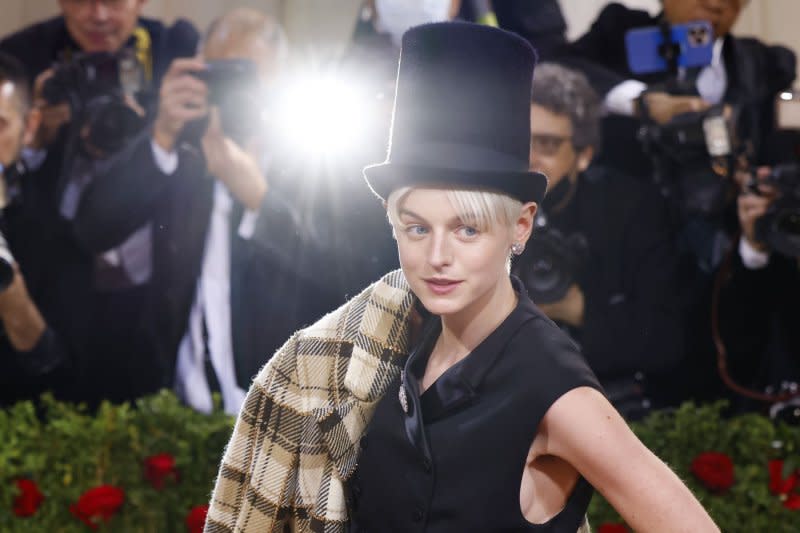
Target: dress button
(426, 464)
(357, 490)
(417, 515)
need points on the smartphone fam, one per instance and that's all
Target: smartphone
(693, 44)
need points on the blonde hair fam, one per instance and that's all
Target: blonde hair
(475, 207)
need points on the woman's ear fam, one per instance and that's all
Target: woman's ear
(524, 224)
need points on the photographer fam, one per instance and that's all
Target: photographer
(95, 66)
(29, 350)
(235, 271)
(621, 305)
(744, 73)
(759, 288)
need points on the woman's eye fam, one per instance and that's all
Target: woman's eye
(468, 231)
(416, 230)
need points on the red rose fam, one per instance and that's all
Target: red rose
(29, 498)
(612, 528)
(784, 487)
(714, 470)
(99, 503)
(158, 468)
(778, 485)
(196, 519)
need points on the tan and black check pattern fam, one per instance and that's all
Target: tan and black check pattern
(296, 438)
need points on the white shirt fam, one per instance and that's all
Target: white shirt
(212, 299)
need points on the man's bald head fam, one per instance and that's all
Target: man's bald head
(245, 33)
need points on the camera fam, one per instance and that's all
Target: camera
(95, 85)
(550, 262)
(234, 86)
(780, 225)
(693, 154)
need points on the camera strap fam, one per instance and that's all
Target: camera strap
(143, 46)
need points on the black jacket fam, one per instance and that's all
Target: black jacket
(633, 317)
(279, 277)
(758, 315)
(756, 73)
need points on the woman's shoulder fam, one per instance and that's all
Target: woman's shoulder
(548, 357)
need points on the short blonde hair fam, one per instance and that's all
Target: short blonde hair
(475, 207)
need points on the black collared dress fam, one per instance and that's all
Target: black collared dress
(451, 459)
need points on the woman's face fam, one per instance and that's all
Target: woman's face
(451, 267)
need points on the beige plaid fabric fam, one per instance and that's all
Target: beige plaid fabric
(296, 437)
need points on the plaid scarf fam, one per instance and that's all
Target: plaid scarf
(295, 441)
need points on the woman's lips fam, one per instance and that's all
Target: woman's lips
(442, 286)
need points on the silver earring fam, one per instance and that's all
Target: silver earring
(517, 248)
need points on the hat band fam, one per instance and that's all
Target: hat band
(456, 156)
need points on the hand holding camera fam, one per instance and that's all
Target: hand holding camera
(22, 322)
(53, 115)
(221, 98)
(752, 204)
(569, 309)
(232, 164)
(183, 98)
(663, 107)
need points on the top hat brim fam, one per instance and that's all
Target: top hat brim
(526, 186)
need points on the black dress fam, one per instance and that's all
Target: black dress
(452, 458)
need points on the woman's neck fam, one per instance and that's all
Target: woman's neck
(463, 331)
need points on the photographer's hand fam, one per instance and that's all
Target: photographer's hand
(182, 98)
(751, 207)
(53, 116)
(570, 309)
(663, 107)
(23, 323)
(233, 165)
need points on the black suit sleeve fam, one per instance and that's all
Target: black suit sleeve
(758, 308)
(48, 354)
(289, 239)
(123, 198)
(633, 319)
(600, 53)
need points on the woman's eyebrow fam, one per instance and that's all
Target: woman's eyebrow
(467, 218)
(409, 213)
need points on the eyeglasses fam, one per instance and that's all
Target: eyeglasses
(545, 144)
(110, 4)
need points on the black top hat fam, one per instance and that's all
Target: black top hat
(461, 113)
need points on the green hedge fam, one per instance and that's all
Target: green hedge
(742, 502)
(71, 452)
(66, 452)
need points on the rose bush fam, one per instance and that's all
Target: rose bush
(158, 460)
(123, 469)
(735, 466)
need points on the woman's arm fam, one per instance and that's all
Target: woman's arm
(583, 428)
